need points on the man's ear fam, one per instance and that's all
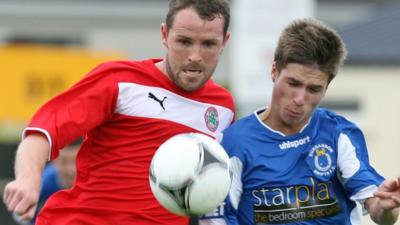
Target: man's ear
(164, 34)
(274, 72)
(226, 39)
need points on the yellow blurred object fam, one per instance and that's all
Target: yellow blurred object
(32, 74)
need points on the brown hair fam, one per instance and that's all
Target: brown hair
(207, 10)
(310, 42)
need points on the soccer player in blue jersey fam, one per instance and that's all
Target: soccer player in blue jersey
(294, 162)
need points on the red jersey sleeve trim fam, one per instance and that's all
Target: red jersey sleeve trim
(40, 130)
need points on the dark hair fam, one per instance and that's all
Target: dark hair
(207, 10)
(310, 42)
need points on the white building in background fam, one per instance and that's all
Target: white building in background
(256, 26)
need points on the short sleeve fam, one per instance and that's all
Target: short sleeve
(78, 110)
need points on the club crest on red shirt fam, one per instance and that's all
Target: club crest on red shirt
(211, 118)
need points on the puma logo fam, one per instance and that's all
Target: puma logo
(161, 102)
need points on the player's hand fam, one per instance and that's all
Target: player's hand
(21, 199)
(389, 194)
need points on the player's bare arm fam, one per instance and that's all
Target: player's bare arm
(21, 195)
(384, 206)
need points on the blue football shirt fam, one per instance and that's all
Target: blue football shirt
(312, 177)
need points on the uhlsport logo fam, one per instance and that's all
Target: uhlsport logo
(322, 155)
(211, 118)
(295, 143)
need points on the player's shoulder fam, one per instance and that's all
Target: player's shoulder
(328, 116)
(211, 84)
(122, 65)
(237, 138)
(116, 71)
(242, 125)
(240, 129)
(212, 93)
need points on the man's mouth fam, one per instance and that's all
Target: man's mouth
(192, 71)
(294, 113)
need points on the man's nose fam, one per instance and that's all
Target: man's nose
(195, 54)
(300, 96)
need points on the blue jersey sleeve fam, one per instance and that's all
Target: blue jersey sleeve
(355, 169)
(231, 143)
(230, 213)
(50, 183)
(226, 214)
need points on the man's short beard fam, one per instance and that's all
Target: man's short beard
(168, 68)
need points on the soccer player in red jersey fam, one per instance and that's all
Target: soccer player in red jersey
(125, 110)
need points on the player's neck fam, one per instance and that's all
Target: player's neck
(161, 65)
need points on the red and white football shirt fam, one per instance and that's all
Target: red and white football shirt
(125, 110)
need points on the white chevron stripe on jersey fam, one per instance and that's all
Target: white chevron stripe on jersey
(154, 102)
(237, 186)
(348, 163)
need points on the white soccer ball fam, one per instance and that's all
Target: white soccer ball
(190, 174)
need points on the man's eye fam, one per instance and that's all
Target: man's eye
(314, 90)
(184, 42)
(208, 44)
